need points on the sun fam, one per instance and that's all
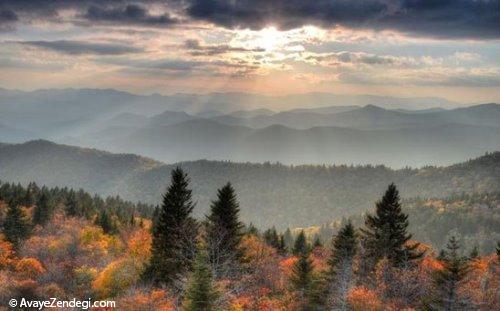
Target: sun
(268, 38)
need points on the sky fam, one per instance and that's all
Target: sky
(405, 48)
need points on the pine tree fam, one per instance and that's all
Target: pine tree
(200, 293)
(174, 232)
(449, 279)
(302, 277)
(252, 230)
(71, 204)
(104, 221)
(386, 233)
(271, 237)
(317, 242)
(224, 232)
(16, 227)
(300, 246)
(282, 249)
(43, 209)
(474, 253)
(340, 266)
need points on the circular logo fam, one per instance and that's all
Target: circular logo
(13, 303)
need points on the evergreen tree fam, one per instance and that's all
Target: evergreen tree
(271, 237)
(16, 227)
(104, 221)
(302, 277)
(287, 236)
(317, 242)
(474, 253)
(340, 266)
(174, 232)
(300, 246)
(449, 279)
(200, 293)
(282, 249)
(71, 204)
(43, 209)
(252, 230)
(224, 232)
(386, 233)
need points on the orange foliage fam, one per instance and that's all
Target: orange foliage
(139, 244)
(363, 299)
(146, 301)
(6, 253)
(286, 266)
(29, 268)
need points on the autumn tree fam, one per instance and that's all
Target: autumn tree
(386, 232)
(449, 279)
(200, 294)
(224, 232)
(16, 227)
(340, 266)
(174, 232)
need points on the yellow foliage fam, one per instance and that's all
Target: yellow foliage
(116, 277)
(94, 240)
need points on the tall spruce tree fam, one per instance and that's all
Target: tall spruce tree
(385, 233)
(340, 267)
(224, 232)
(43, 209)
(302, 278)
(200, 294)
(16, 226)
(300, 246)
(449, 279)
(174, 232)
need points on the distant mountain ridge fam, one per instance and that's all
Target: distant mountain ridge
(270, 194)
(239, 127)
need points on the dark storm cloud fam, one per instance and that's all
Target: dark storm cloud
(92, 11)
(435, 18)
(7, 19)
(81, 47)
(130, 14)
(478, 19)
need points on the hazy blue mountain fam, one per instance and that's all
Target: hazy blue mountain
(372, 117)
(55, 113)
(270, 194)
(440, 144)
(251, 113)
(127, 119)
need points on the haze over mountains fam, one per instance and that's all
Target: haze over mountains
(332, 129)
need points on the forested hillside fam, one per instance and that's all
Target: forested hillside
(269, 194)
(68, 244)
(474, 218)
